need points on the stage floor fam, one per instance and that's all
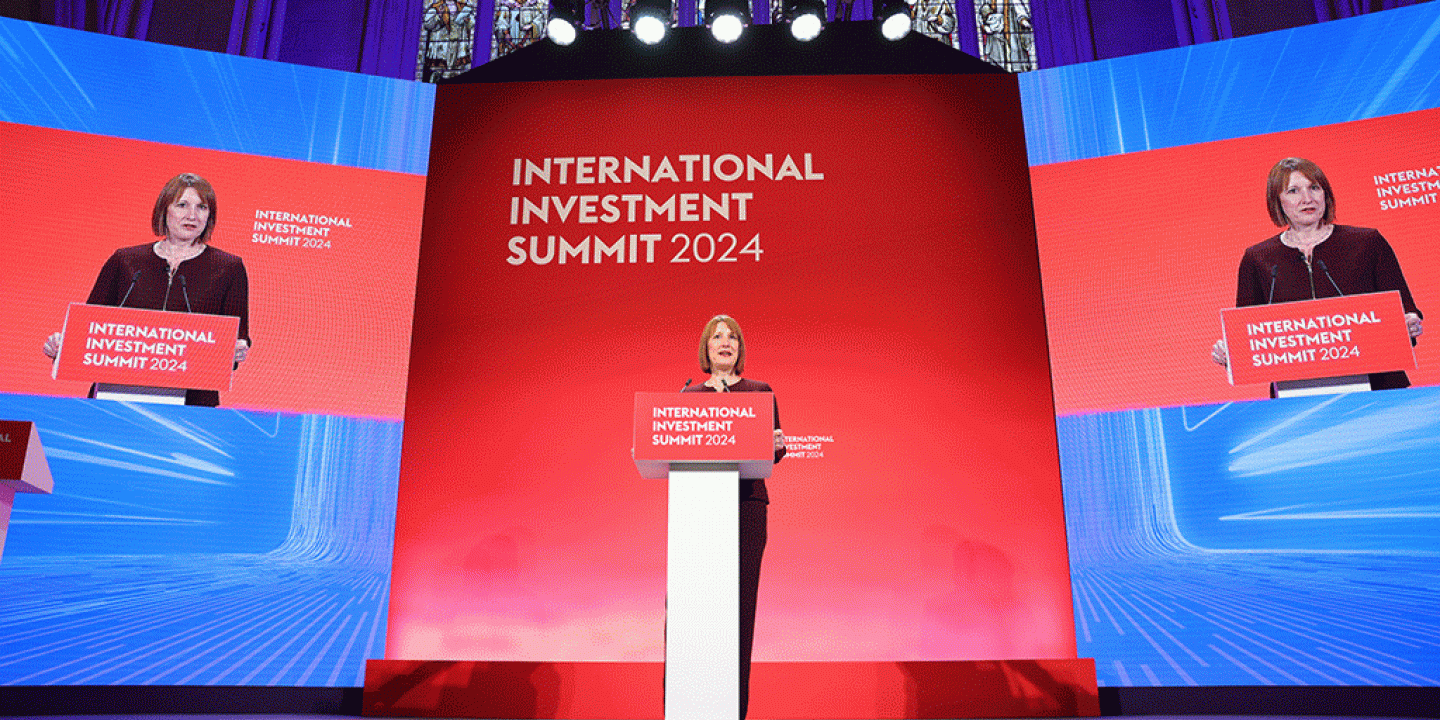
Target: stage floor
(333, 717)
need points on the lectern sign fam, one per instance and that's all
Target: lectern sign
(129, 346)
(1329, 337)
(703, 427)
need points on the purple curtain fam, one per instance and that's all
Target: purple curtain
(124, 18)
(965, 30)
(1063, 34)
(256, 27)
(1336, 9)
(70, 14)
(1333, 9)
(391, 39)
(860, 10)
(1198, 21)
(485, 31)
(390, 36)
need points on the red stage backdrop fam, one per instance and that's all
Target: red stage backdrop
(330, 252)
(874, 238)
(1139, 252)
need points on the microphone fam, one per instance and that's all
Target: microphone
(1325, 270)
(165, 303)
(133, 279)
(1274, 272)
(725, 385)
(687, 384)
(186, 293)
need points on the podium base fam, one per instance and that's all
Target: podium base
(702, 599)
(1323, 386)
(140, 393)
(888, 690)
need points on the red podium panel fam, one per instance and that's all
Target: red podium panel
(889, 690)
(704, 428)
(1329, 337)
(23, 468)
(154, 348)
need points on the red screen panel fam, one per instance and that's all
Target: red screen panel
(1139, 252)
(885, 275)
(330, 252)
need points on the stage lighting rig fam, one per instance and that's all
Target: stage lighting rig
(807, 18)
(650, 19)
(566, 19)
(895, 19)
(727, 18)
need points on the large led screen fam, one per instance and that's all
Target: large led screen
(873, 238)
(244, 544)
(1219, 537)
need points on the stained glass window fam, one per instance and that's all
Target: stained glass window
(1007, 39)
(447, 39)
(777, 11)
(936, 18)
(517, 24)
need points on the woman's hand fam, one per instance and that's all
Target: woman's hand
(779, 440)
(242, 350)
(51, 348)
(1414, 324)
(1220, 353)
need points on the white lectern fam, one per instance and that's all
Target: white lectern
(704, 443)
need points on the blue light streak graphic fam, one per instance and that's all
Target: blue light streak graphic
(1292, 541)
(1362, 67)
(88, 82)
(133, 573)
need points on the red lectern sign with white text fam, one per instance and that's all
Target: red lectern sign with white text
(153, 348)
(1329, 337)
(703, 428)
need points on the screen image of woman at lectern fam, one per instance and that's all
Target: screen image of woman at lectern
(722, 356)
(180, 272)
(1316, 258)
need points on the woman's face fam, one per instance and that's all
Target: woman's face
(187, 217)
(724, 348)
(1303, 201)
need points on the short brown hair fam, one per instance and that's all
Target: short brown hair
(1280, 179)
(172, 192)
(705, 343)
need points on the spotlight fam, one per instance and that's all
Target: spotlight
(650, 19)
(566, 19)
(807, 18)
(727, 18)
(727, 28)
(894, 17)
